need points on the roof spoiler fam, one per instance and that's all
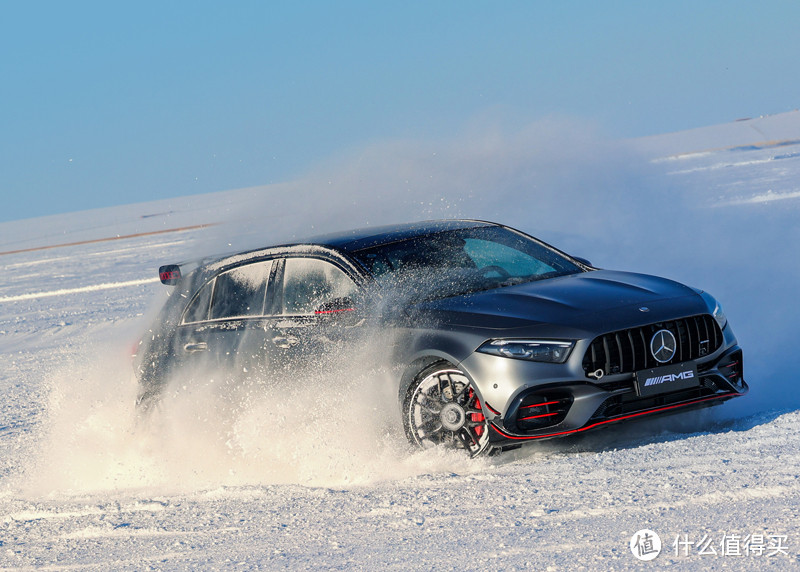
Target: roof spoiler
(169, 274)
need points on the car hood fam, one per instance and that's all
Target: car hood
(589, 300)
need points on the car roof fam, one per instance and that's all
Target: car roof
(354, 240)
(345, 241)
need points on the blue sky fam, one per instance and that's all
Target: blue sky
(107, 103)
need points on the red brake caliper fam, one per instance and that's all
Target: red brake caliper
(476, 417)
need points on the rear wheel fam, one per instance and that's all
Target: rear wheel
(442, 408)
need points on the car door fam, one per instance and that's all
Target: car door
(223, 330)
(314, 299)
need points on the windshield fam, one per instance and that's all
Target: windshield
(462, 261)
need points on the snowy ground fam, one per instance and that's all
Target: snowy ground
(83, 486)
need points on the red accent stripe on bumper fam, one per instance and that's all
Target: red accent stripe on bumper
(540, 404)
(612, 420)
(538, 416)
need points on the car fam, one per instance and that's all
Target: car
(497, 338)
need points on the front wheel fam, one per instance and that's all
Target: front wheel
(442, 408)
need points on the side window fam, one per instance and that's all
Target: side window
(198, 308)
(309, 282)
(240, 292)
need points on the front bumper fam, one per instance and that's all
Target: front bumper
(527, 401)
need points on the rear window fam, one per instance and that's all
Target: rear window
(198, 308)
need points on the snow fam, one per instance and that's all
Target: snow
(317, 473)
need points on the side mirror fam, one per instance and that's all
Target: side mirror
(583, 261)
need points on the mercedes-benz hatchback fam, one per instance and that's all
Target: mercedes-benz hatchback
(498, 339)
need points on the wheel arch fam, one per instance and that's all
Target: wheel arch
(419, 364)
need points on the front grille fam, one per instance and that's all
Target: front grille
(628, 351)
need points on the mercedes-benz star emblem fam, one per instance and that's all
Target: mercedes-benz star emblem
(663, 346)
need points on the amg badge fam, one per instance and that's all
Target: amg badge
(688, 374)
(666, 379)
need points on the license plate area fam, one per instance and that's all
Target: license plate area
(666, 379)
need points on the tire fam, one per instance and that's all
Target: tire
(442, 408)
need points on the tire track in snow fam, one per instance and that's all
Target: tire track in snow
(79, 290)
(108, 239)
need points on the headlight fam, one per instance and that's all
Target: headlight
(548, 351)
(718, 313)
(719, 316)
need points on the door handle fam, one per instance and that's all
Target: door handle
(194, 347)
(285, 341)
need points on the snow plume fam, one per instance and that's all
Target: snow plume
(622, 204)
(556, 177)
(334, 423)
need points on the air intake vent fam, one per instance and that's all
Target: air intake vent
(538, 411)
(731, 368)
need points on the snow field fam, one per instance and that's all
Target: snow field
(221, 479)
